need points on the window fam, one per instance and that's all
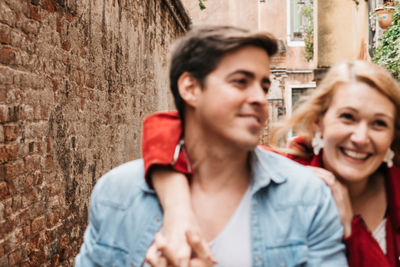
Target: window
(296, 21)
(295, 92)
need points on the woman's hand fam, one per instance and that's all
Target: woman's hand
(174, 194)
(341, 196)
(201, 257)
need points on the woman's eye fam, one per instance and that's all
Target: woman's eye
(347, 116)
(380, 123)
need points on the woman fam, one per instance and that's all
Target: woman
(350, 136)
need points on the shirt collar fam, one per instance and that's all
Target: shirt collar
(266, 168)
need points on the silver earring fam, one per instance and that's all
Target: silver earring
(389, 157)
(317, 143)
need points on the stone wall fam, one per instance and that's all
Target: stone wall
(76, 79)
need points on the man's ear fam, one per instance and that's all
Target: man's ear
(188, 88)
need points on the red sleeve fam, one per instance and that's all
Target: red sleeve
(362, 249)
(160, 141)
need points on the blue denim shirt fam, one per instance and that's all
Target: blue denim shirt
(294, 220)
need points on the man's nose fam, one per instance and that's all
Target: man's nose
(258, 94)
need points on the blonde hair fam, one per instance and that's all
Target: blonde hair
(313, 107)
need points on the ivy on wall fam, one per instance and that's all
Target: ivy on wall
(307, 13)
(387, 53)
(202, 5)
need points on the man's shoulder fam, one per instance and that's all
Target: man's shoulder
(118, 186)
(291, 176)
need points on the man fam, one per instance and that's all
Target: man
(255, 208)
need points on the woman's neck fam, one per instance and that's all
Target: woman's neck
(370, 200)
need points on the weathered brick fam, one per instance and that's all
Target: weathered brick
(59, 80)
(38, 224)
(7, 16)
(6, 76)
(12, 169)
(32, 163)
(11, 132)
(4, 191)
(3, 113)
(16, 203)
(8, 152)
(34, 13)
(29, 26)
(1, 134)
(1, 249)
(15, 257)
(8, 55)
(37, 258)
(53, 218)
(29, 198)
(2, 217)
(5, 36)
(66, 45)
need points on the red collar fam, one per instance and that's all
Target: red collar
(393, 195)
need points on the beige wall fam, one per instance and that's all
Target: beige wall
(273, 18)
(221, 12)
(342, 31)
(289, 68)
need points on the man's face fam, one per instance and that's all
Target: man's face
(232, 106)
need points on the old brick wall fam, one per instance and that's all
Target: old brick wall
(76, 79)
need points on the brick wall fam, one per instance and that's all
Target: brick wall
(76, 79)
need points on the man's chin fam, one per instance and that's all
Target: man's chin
(250, 144)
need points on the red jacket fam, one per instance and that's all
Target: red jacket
(161, 134)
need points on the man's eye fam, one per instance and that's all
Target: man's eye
(265, 89)
(240, 81)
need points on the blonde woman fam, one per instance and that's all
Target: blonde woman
(348, 134)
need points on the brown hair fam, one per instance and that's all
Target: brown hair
(314, 107)
(200, 51)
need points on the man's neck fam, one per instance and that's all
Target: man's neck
(216, 163)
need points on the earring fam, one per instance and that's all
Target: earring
(317, 143)
(389, 157)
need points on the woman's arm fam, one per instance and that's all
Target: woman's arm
(164, 165)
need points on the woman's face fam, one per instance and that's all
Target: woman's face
(357, 130)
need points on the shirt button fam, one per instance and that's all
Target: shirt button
(258, 260)
(283, 264)
(254, 207)
(157, 218)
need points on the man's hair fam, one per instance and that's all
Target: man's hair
(201, 50)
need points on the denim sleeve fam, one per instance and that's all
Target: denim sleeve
(86, 256)
(326, 233)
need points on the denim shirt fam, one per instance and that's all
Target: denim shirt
(294, 220)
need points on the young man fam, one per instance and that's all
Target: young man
(255, 208)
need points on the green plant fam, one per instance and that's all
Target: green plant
(307, 13)
(202, 5)
(387, 53)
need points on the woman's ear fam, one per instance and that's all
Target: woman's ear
(317, 126)
(188, 88)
